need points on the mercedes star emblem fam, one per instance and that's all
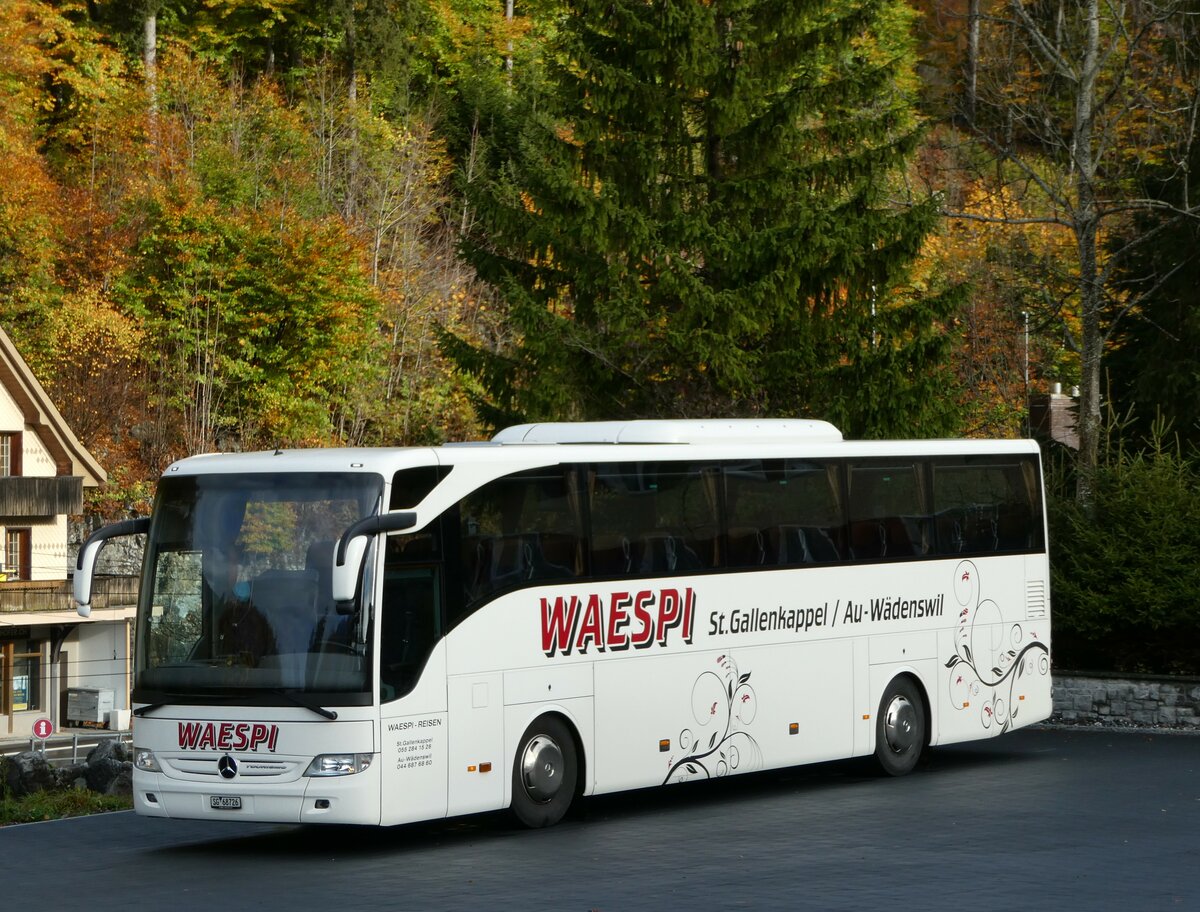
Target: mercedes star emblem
(227, 767)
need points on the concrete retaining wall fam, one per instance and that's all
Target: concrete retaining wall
(1135, 700)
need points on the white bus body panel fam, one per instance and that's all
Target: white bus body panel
(477, 765)
(272, 747)
(414, 748)
(727, 701)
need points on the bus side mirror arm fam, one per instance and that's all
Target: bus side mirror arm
(353, 545)
(86, 563)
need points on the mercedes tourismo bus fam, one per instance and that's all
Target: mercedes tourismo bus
(391, 635)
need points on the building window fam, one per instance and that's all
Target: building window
(10, 454)
(27, 679)
(21, 686)
(17, 554)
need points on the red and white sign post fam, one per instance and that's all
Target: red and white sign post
(43, 728)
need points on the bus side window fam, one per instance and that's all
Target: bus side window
(783, 512)
(888, 518)
(986, 506)
(653, 519)
(519, 530)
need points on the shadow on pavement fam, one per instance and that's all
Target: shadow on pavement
(857, 778)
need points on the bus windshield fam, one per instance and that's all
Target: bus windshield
(236, 588)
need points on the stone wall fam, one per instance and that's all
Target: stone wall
(119, 556)
(1134, 700)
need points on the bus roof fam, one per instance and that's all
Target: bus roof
(739, 430)
(532, 445)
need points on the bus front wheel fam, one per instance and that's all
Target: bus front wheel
(545, 772)
(900, 727)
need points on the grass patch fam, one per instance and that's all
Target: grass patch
(59, 804)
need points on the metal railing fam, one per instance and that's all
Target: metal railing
(62, 750)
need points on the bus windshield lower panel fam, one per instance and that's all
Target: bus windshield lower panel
(237, 599)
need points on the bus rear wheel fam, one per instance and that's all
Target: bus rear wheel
(545, 773)
(900, 727)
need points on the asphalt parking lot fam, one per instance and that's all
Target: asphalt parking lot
(1041, 819)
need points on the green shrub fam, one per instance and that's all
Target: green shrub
(1126, 569)
(58, 804)
(53, 805)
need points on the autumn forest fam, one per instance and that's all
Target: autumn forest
(236, 224)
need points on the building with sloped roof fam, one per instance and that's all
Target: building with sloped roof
(52, 661)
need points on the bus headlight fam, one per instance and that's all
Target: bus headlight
(145, 760)
(338, 764)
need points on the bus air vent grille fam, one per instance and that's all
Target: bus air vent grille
(1035, 598)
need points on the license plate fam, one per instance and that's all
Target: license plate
(223, 803)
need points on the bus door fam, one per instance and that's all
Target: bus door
(412, 680)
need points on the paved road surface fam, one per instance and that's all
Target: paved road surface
(1035, 820)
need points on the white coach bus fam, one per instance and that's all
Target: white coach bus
(391, 635)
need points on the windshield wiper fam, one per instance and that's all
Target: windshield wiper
(306, 704)
(151, 707)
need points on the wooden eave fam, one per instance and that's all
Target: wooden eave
(70, 456)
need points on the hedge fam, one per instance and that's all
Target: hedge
(1125, 571)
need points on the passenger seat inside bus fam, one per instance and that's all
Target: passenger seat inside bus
(747, 547)
(968, 529)
(664, 552)
(788, 544)
(497, 562)
(883, 537)
(612, 556)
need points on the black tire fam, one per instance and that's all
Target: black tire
(901, 727)
(545, 773)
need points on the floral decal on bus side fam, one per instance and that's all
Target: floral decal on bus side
(991, 656)
(724, 705)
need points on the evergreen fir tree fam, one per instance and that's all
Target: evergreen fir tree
(1153, 366)
(690, 217)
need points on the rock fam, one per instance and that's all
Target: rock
(102, 772)
(70, 776)
(108, 749)
(122, 783)
(27, 773)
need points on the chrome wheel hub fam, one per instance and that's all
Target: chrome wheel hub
(541, 768)
(900, 724)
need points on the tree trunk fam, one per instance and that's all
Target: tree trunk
(508, 17)
(350, 205)
(150, 69)
(1087, 239)
(971, 77)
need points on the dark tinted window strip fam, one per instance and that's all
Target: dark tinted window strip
(907, 530)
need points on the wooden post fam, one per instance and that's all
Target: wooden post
(6, 670)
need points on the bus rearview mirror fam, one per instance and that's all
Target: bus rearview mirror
(85, 565)
(347, 560)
